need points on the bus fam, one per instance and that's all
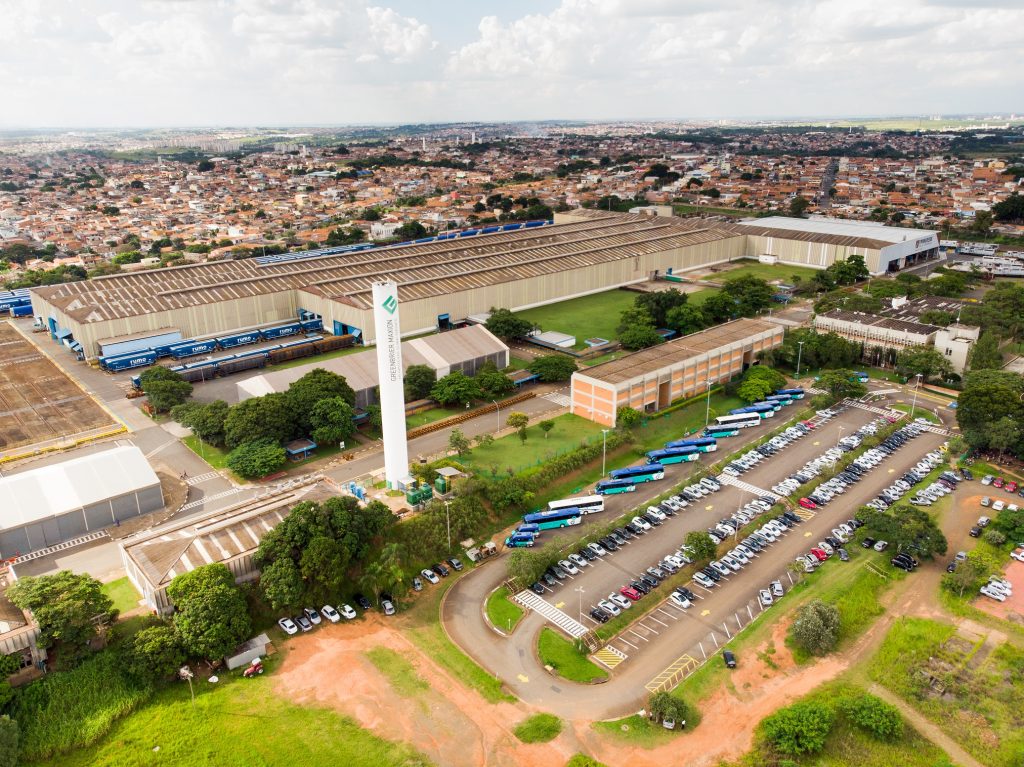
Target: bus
(764, 404)
(646, 473)
(673, 455)
(794, 393)
(615, 486)
(520, 540)
(704, 444)
(738, 420)
(588, 504)
(785, 399)
(860, 376)
(760, 412)
(527, 529)
(720, 432)
(552, 520)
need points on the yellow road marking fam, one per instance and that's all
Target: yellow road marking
(523, 678)
(705, 612)
(807, 535)
(560, 605)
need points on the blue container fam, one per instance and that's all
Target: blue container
(25, 310)
(128, 361)
(311, 325)
(281, 330)
(239, 339)
(192, 348)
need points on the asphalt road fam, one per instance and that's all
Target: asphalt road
(670, 631)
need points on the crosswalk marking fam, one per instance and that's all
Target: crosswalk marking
(199, 479)
(558, 398)
(224, 494)
(610, 656)
(744, 486)
(571, 626)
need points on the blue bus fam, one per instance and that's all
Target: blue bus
(794, 393)
(720, 432)
(785, 399)
(646, 473)
(704, 444)
(760, 412)
(520, 540)
(552, 520)
(859, 375)
(767, 404)
(674, 455)
(531, 529)
(615, 486)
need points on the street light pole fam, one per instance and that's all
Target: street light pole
(707, 411)
(497, 409)
(604, 450)
(799, 354)
(914, 405)
(579, 590)
(448, 523)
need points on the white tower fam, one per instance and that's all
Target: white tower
(392, 394)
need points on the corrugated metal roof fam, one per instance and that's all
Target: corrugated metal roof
(854, 234)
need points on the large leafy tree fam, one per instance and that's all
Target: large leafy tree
(504, 324)
(331, 421)
(211, 616)
(493, 383)
(456, 388)
(155, 652)
(270, 417)
(926, 360)
(419, 379)
(702, 546)
(816, 627)
(751, 294)
(986, 355)
(206, 419)
(164, 388)
(840, 383)
(685, 319)
(906, 528)
(318, 384)
(553, 367)
(66, 605)
(799, 729)
(637, 329)
(719, 307)
(754, 389)
(281, 584)
(989, 396)
(256, 459)
(658, 304)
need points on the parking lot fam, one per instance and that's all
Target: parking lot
(653, 643)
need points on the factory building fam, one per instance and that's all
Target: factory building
(53, 504)
(651, 379)
(819, 242)
(465, 349)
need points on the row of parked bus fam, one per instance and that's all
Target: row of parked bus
(191, 348)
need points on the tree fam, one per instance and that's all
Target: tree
(205, 166)
(419, 379)
(493, 383)
(504, 324)
(718, 307)
(987, 397)
(67, 606)
(210, 616)
(331, 421)
(637, 330)
(702, 547)
(840, 383)
(518, 421)
(1010, 522)
(754, 389)
(906, 528)
(455, 388)
(628, 417)
(256, 459)
(411, 230)
(164, 388)
(685, 319)
(1004, 434)
(553, 367)
(318, 384)
(458, 442)
(663, 705)
(972, 573)
(798, 205)
(206, 419)
(10, 742)
(749, 294)
(267, 418)
(852, 269)
(874, 715)
(926, 360)
(772, 377)
(546, 427)
(816, 627)
(986, 355)
(982, 222)
(281, 584)
(1010, 210)
(155, 653)
(798, 729)
(658, 304)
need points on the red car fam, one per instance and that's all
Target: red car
(819, 554)
(807, 503)
(809, 424)
(998, 482)
(630, 593)
(1011, 487)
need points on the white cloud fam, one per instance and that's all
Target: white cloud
(81, 62)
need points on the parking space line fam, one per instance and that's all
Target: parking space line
(624, 641)
(648, 628)
(670, 615)
(661, 623)
(638, 635)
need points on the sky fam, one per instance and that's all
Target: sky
(146, 63)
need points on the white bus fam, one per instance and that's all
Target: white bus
(741, 420)
(588, 504)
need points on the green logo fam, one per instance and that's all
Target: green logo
(390, 304)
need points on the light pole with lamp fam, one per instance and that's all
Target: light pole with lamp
(604, 449)
(799, 354)
(497, 409)
(707, 411)
(579, 590)
(914, 404)
(448, 524)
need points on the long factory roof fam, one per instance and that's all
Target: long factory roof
(420, 270)
(855, 234)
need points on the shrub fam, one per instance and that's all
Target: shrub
(539, 728)
(993, 537)
(799, 729)
(816, 628)
(256, 459)
(874, 715)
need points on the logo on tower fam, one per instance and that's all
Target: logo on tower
(390, 304)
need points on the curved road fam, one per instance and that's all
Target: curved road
(514, 660)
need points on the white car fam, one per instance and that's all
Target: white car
(348, 613)
(1001, 583)
(1018, 554)
(330, 613)
(998, 506)
(992, 593)
(764, 596)
(597, 549)
(620, 601)
(657, 513)
(642, 523)
(577, 560)
(733, 564)
(569, 567)
(675, 560)
(288, 626)
(881, 546)
(777, 590)
(703, 580)
(430, 576)
(609, 606)
(678, 599)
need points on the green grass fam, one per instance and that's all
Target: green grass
(217, 457)
(123, 594)
(636, 730)
(767, 272)
(539, 728)
(857, 596)
(701, 296)
(237, 723)
(909, 643)
(582, 760)
(681, 210)
(502, 612)
(593, 316)
(566, 660)
(430, 416)
(570, 430)
(921, 411)
(399, 671)
(664, 427)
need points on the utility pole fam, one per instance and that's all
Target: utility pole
(448, 523)
(914, 404)
(799, 354)
(707, 410)
(604, 450)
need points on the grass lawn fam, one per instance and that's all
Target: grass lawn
(570, 430)
(662, 428)
(700, 296)
(593, 316)
(637, 731)
(502, 612)
(539, 728)
(919, 411)
(217, 457)
(564, 658)
(236, 723)
(767, 272)
(123, 594)
(398, 670)
(430, 416)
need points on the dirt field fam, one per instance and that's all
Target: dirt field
(1013, 608)
(38, 402)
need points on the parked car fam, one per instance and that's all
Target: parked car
(881, 546)
(288, 626)
(730, 658)
(430, 576)
(777, 590)
(456, 564)
(764, 596)
(387, 604)
(417, 584)
(304, 622)
(312, 614)
(347, 612)
(362, 601)
(330, 613)
(441, 570)
(631, 593)
(600, 615)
